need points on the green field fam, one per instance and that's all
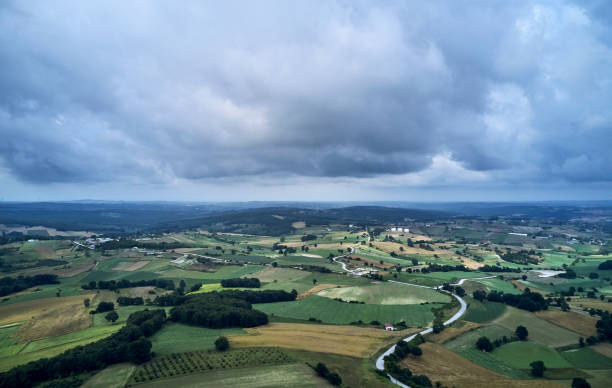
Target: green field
(178, 338)
(387, 294)
(540, 331)
(465, 346)
(495, 284)
(520, 354)
(292, 375)
(586, 358)
(225, 272)
(114, 376)
(481, 312)
(332, 311)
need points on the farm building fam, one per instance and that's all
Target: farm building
(389, 327)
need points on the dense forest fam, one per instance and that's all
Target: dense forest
(9, 285)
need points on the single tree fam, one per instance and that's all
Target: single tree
(86, 302)
(222, 344)
(537, 368)
(334, 379)
(112, 316)
(521, 332)
(484, 344)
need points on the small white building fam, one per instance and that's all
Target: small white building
(389, 327)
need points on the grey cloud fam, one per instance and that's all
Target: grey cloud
(102, 92)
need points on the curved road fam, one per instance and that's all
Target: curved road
(380, 362)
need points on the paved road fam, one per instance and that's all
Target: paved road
(380, 362)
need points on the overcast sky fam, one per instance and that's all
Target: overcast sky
(306, 100)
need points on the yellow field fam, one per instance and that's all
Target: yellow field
(345, 340)
(446, 366)
(270, 274)
(24, 311)
(591, 303)
(603, 348)
(131, 265)
(451, 332)
(579, 323)
(299, 224)
(57, 320)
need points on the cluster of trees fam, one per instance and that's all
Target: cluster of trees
(333, 377)
(216, 311)
(444, 268)
(130, 344)
(123, 283)
(231, 308)
(241, 282)
(454, 289)
(604, 327)
(568, 274)
(127, 243)
(9, 285)
(403, 349)
(309, 237)
(127, 301)
(10, 267)
(520, 257)
(316, 268)
(103, 307)
(494, 268)
(606, 265)
(530, 301)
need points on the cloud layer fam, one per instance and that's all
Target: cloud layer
(424, 92)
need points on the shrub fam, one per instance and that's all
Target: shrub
(579, 382)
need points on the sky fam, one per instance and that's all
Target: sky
(306, 100)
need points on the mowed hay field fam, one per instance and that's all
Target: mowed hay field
(441, 364)
(345, 340)
(131, 265)
(332, 311)
(387, 294)
(57, 313)
(580, 323)
(314, 290)
(281, 275)
(540, 331)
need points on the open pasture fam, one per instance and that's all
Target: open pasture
(131, 265)
(346, 340)
(587, 358)
(520, 354)
(224, 272)
(387, 294)
(540, 330)
(271, 274)
(441, 364)
(178, 338)
(579, 323)
(465, 346)
(113, 376)
(332, 311)
(481, 312)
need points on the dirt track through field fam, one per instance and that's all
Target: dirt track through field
(314, 290)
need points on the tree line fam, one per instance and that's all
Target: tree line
(9, 285)
(530, 301)
(127, 243)
(130, 344)
(241, 282)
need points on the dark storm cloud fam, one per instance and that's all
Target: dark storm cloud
(150, 92)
